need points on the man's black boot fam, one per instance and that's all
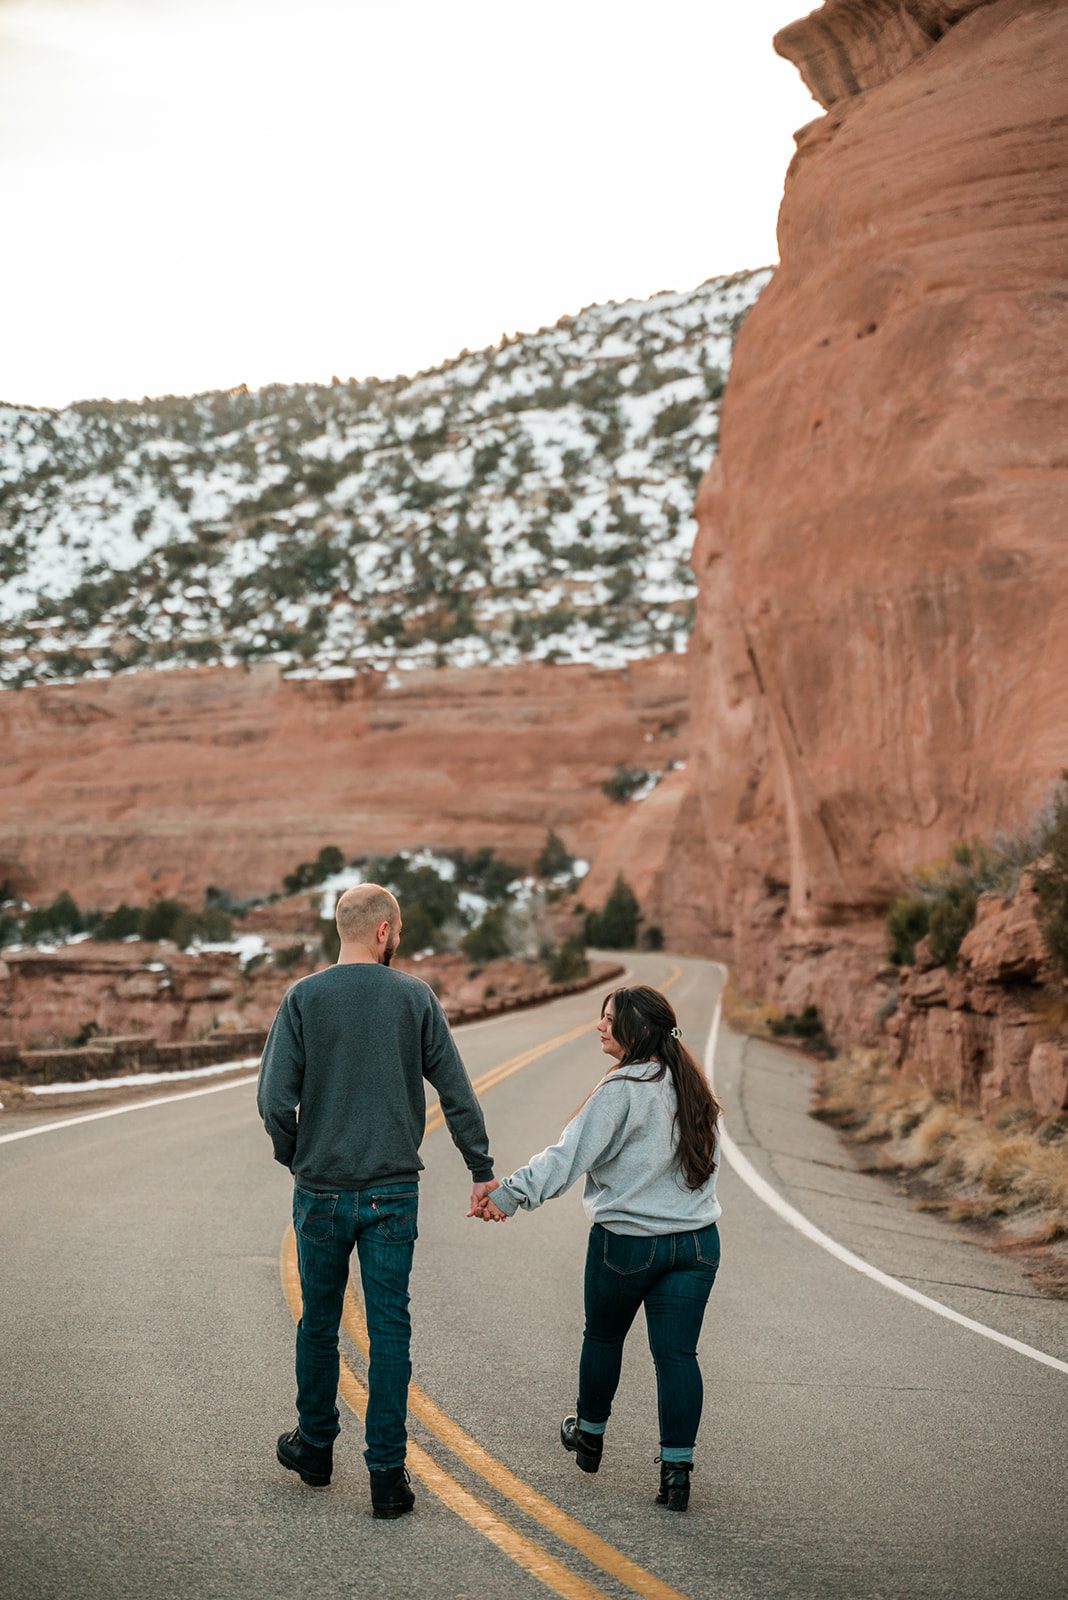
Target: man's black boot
(674, 1484)
(314, 1462)
(586, 1447)
(390, 1492)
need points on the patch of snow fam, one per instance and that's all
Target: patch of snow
(648, 786)
(246, 945)
(140, 1079)
(574, 486)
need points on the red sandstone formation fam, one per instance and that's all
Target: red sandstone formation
(658, 845)
(163, 783)
(880, 666)
(848, 46)
(989, 1031)
(49, 998)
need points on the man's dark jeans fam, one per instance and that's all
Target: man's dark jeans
(382, 1225)
(671, 1274)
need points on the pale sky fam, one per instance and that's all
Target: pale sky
(202, 193)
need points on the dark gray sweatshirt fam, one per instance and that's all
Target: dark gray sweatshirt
(350, 1047)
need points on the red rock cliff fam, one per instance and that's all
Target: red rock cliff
(163, 783)
(881, 660)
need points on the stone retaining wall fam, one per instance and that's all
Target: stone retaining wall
(119, 1057)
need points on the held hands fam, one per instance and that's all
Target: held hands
(481, 1204)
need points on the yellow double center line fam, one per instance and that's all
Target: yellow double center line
(495, 1075)
(523, 1551)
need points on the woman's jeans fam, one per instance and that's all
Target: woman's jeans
(381, 1224)
(671, 1274)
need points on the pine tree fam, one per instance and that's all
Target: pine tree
(555, 857)
(615, 927)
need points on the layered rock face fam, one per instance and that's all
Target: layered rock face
(164, 783)
(120, 989)
(851, 45)
(132, 998)
(990, 1030)
(880, 666)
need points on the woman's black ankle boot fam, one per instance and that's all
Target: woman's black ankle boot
(587, 1447)
(390, 1494)
(674, 1484)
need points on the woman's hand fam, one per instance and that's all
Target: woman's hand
(481, 1204)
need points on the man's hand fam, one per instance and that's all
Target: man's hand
(481, 1205)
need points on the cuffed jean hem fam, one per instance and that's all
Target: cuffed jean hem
(672, 1453)
(318, 1444)
(591, 1427)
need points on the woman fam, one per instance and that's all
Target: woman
(646, 1140)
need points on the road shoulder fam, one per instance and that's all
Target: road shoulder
(768, 1093)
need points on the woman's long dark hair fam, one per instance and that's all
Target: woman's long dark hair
(642, 1022)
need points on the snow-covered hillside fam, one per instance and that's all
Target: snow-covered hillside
(528, 501)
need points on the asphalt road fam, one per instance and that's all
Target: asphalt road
(854, 1444)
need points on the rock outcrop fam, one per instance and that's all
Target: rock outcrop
(131, 1001)
(848, 46)
(991, 1030)
(881, 655)
(47, 997)
(163, 783)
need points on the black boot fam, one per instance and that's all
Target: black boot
(314, 1462)
(587, 1447)
(674, 1484)
(390, 1494)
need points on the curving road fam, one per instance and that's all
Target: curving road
(855, 1443)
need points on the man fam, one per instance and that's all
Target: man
(350, 1046)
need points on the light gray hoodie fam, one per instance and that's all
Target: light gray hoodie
(624, 1140)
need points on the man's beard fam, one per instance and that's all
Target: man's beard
(389, 952)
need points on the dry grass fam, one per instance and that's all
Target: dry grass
(745, 1015)
(971, 1169)
(1051, 1279)
(859, 1094)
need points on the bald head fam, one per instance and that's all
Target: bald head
(368, 917)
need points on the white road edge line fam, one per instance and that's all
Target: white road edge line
(745, 1170)
(118, 1111)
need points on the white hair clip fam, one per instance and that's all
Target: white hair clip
(676, 1032)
